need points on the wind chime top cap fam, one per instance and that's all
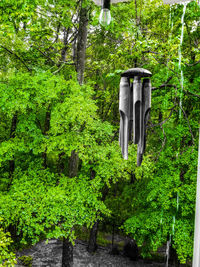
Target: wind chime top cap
(136, 72)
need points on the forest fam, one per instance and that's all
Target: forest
(61, 168)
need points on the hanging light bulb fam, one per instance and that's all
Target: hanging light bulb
(105, 16)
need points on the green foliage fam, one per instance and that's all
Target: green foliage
(155, 204)
(39, 208)
(25, 260)
(7, 258)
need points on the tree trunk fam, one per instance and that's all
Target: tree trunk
(92, 244)
(46, 129)
(61, 163)
(73, 164)
(67, 251)
(81, 43)
(12, 162)
(113, 234)
(64, 50)
(67, 255)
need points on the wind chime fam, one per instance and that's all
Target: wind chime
(134, 108)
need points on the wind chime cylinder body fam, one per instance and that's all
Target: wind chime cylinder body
(146, 105)
(137, 109)
(124, 109)
(134, 107)
(131, 113)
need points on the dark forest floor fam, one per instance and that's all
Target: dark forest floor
(49, 255)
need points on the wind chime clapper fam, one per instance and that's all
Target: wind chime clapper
(134, 109)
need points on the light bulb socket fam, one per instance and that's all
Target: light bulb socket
(105, 4)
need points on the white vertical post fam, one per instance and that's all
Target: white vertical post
(196, 248)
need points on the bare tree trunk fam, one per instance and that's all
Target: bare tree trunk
(73, 164)
(67, 256)
(81, 43)
(64, 50)
(67, 253)
(136, 14)
(12, 162)
(92, 244)
(46, 129)
(61, 165)
(113, 234)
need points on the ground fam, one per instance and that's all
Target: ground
(49, 255)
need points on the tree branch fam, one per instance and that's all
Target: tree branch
(192, 94)
(44, 54)
(12, 53)
(174, 86)
(163, 63)
(162, 122)
(164, 84)
(190, 129)
(193, 64)
(148, 51)
(163, 142)
(62, 65)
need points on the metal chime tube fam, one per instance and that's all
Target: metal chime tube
(146, 106)
(137, 109)
(131, 113)
(124, 108)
